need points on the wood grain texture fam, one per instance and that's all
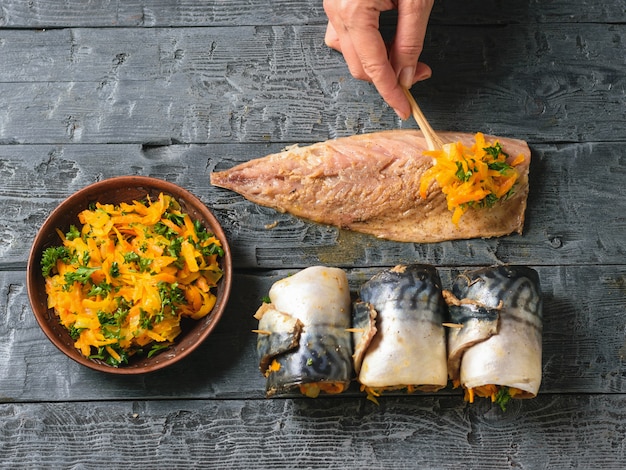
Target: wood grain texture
(555, 432)
(175, 89)
(190, 13)
(583, 341)
(158, 13)
(575, 212)
(542, 83)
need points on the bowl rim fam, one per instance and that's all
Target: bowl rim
(90, 192)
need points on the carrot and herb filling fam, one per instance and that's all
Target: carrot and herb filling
(312, 390)
(124, 280)
(476, 176)
(374, 392)
(498, 394)
(273, 367)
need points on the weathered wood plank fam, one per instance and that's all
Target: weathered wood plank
(583, 341)
(575, 213)
(98, 89)
(158, 13)
(555, 432)
(548, 83)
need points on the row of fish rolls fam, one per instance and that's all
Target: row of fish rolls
(312, 339)
(399, 338)
(303, 340)
(495, 348)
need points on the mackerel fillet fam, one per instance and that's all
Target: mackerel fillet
(370, 183)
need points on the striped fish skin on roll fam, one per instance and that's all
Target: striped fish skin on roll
(303, 339)
(399, 338)
(497, 351)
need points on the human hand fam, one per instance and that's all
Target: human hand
(353, 30)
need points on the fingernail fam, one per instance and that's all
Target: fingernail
(401, 115)
(406, 76)
(424, 75)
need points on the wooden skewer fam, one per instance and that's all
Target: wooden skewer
(262, 332)
(432, 139)
(355, 330)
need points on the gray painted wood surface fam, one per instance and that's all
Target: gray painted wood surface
(171, 89)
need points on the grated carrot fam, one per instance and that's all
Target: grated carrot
(478, 176)
(312, 390)
(498, 394)
(124, 280)
(373, 393)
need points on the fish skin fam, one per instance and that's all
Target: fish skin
(479, 323)
(307, 321)
(408, 347)
(285, 332)
(512, 356)
(369, 183)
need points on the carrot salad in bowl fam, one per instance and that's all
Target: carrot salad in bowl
(123, 281)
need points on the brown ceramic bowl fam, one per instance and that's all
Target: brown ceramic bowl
(115, 191)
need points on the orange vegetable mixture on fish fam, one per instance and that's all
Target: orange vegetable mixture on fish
(476, 176)
(385, 184)
(122, 283)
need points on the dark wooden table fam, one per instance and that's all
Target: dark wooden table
(176, 89)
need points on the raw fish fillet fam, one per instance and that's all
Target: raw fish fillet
(370, 183)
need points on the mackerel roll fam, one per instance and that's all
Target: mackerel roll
(303, 339)
(494, 348)
(398, 334)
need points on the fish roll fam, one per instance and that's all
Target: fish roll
(494, 346)
(399, 339)
(303, 339)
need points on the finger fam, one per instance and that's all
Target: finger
(422, 72)
(331, 38)
(408, 43)
(364, 49)
(345, 45)
(338, 37)
(352, 58)
(377, 67)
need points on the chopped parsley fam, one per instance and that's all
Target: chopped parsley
(73, 233)
(115, 269)
(51, 256)
(82, 275)
(503, 397)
